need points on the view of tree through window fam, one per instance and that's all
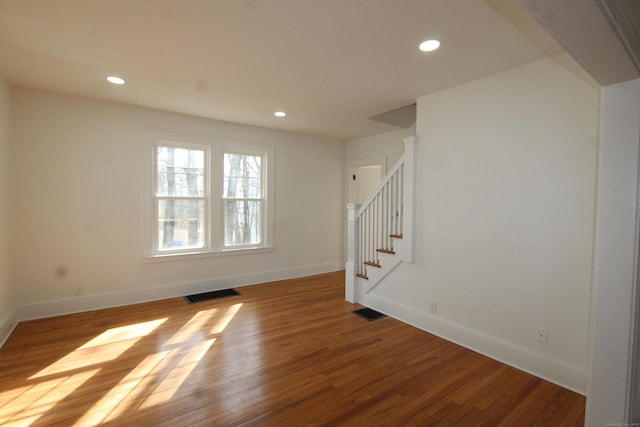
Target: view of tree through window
(180, 198)
(207, 196)
(243, 199)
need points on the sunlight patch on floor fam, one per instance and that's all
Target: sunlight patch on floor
(105, 347)
(168, 387)
(103, 408)
(192, 327)
(155, 380)
(222, 323)
(34, 401)
(123, 333)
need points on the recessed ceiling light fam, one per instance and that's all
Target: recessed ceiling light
(429, 45)
(115, 80)
(280, 114)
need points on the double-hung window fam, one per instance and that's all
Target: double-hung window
(207, 197)
(181, 197)
(243, 199)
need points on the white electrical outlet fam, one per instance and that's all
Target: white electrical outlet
(542, 336)
(433, 307)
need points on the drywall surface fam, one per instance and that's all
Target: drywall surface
(388, 145)
(615, 256)
(78, 209)
(6, 289)
(506, 201)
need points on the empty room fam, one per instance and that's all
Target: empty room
(336, 212)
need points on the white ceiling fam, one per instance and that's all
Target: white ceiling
(330, 64)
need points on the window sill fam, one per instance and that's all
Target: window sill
(188, 256)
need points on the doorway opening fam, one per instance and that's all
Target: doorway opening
(362, 178)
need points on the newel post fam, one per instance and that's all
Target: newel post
(409, 208)
(352, 253)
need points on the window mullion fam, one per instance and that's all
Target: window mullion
(187, 208)
(216, 230)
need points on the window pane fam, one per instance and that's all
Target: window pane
(242, 176)
(242, 224)
(180, 172)
(180, 224)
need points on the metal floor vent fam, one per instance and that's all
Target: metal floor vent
(368, 313)
(206, 296)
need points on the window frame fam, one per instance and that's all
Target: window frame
(206, 197)
(263, 190)
(214, 238)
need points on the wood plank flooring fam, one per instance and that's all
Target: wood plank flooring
(287, 353)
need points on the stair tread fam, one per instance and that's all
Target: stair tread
(386, 251)
(396, 236)
(372, 264)
(362, 276)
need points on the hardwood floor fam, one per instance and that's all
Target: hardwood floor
(287, 353)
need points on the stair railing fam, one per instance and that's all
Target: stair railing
(387, 214)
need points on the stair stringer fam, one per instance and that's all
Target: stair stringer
(388, 262)
(389, 211)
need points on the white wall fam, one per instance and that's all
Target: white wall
(616, 252)
(6, 290)
(78, 189)
(507, 172)
(388, 145)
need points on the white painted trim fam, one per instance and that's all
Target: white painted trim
(7, 325)
(632, 368)
(352, 253)
(214, 148)
(350, 165)
(615, 261)
(368, 161)
(153, 293)
(388, 262)
(553, 370)
(409, 209)
(189, 256)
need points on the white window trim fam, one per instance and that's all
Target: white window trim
(266, 233)
(207, 196)
(214, 238)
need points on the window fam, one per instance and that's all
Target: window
(243, 199)
(207, 197)
(181, 199)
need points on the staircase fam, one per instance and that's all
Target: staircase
(380, 231)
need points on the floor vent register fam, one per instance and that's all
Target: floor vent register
(207, 296)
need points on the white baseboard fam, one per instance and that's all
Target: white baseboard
(7, 325)
(556, 371)
(82, 303)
